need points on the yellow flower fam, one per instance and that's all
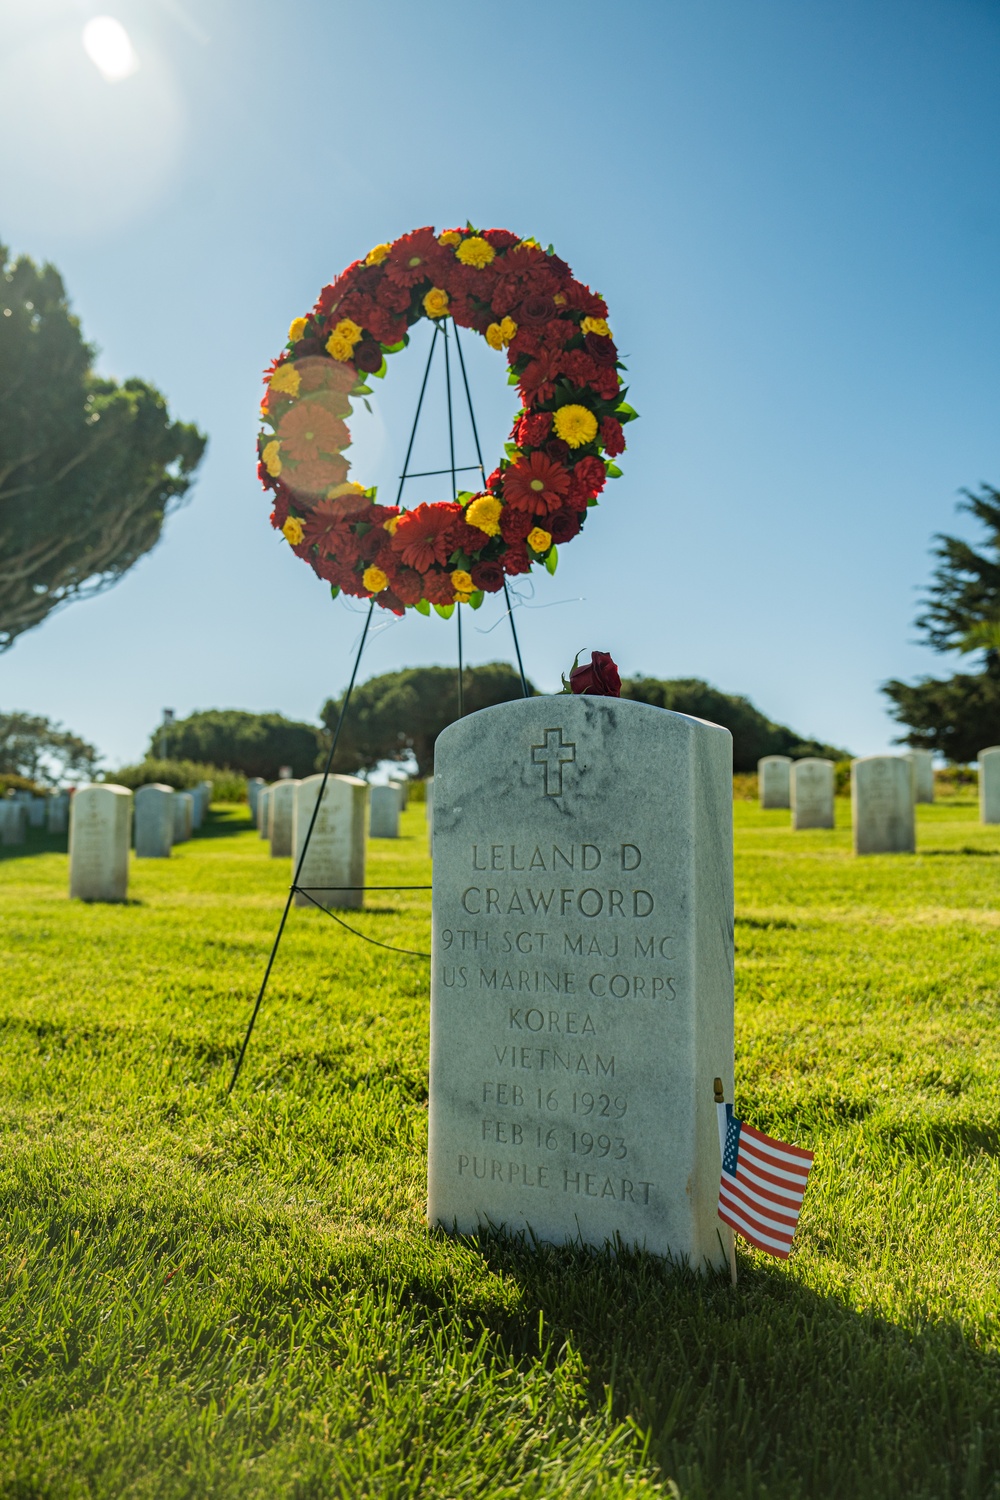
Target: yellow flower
(348, 330)
(436, 303)
(377, 256)
(560, 299)
(285, 378)
(595, 325)
(462, 583)
(272, 462)
(339, 347)
(485, 513)
(293, 531)
(348, 487)
(450, 237)
(391, 524)
(575, 425)
(508, 329)
(529, 244)
(475, 252)
(499, 335)
(297, 329)
(539, 540)
(374, 579)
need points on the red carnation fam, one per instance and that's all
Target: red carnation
(421, 538)
(612, 438)
(516, 560)
(531, 431)
(487, 576)
(515, 524)
(438, 587)
(564, 525)
(581, 299)
(493, 483)
(526, 343)
(535, 484)
(406, 584)
(465, 538)
(538, 381)
(414, 257)
(578, 365)
(279, 514)
(600, 677)
(500, 239)
(591, 472)
(601, 350)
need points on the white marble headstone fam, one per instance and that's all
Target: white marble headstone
(989, 784)
(13, 821)
(922, 764)
(582, 973)
(334, 865)
(183, 807)
(154, 821)
(812, 793)
(255, 786)
(36, 812)
(882, 805)
(57, 814)
(264, 811)
(281, 815)
(100, 826)
(385, 810)
(403, 782)
(774, 781)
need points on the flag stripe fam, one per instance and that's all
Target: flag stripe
(778, 1148)
(776, 1190)
(784, 1212)
(762, 1186)
(776, 1223)
(751, 1233)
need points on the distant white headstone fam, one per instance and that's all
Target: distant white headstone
(264, 811)
(57, 815)
(183, 806)
(36, 812)
(403, 782)
(154, 821)
(281, 815)
(335, 859)
(989, 784)
(922, 766)
(582, 974)
(13, 821)
(100, 825)
(812, 793)
(882, 805)
(198, 800)
(774, 781)
(255, 786)
(385, 810)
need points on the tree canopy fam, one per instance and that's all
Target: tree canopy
(401, 712)
(44, 752)
(753, 733)
(256, 744)
(959, 715)
(89, 469)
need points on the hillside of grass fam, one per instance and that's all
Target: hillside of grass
(239, 1297)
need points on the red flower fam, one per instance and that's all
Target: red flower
(538, 381)
(590, 471)
(500, 239)
(581, 299)
(612, 438)
(368, 356)
(487, 576)
(600, 677)
(531, 431)
(465, 538)
(557, 449)
(493, 484)
(578, 365)
(601, 350)
(279, 514)
(515, 524)
(421, 538)
(318, 476)
(535, 310)
(564, 525)
(516, 560)
(438, 587)
(309, 428)
(406, 584)
(414, 257)
(387, 600)
(535, 484)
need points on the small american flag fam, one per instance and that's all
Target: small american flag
(763, 1184)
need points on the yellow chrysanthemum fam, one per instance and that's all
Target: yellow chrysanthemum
(539, 540)
(338, 347)
(475, 251)
(293, 531)
(485, 513)
(271, 457)
(596, 325)
(286, 378)
(575, 425)
(297, 329)
(436, 303)
(450, 237)
(391, 524)
(377, 256)
(374, 579)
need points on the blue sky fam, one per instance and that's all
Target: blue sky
(792, 207)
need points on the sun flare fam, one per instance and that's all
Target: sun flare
(109, 47)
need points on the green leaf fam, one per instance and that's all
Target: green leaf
(625, 413)
(613, 470)
(444, 610)
(395, 348)
(368, 405)
(591, 501)
(380, 372)
(334, 591)
(552, 561)
(510, 449)
(362, 390)
(512, 377)
(476, 598)
(422, 607)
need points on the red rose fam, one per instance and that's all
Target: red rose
(368, 356)
(531, 431)
(564, 525)
(557, 449)
(487, 576)
(600, 677)
(601, 350)
(535, 310)
(373, 542)
(612, 438)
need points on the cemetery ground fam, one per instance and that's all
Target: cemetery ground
(206, 1296)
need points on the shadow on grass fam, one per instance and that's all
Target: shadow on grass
(38, 841)
(770, 1391)
(966, 849)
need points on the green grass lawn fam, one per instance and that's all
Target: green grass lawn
(239, 1297)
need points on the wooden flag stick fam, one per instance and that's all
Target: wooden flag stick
(720, 1105)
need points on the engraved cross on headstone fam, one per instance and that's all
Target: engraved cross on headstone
(553, 755)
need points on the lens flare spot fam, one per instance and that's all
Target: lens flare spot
(109, 47)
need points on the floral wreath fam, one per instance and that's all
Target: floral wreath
(561, 356)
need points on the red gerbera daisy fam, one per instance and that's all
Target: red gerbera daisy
(413, 258)
(421, 538)
(535, 484)
(309, 428)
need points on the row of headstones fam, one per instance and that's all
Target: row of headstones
(884, 791)
(20, 811)
(273, 809)
(100, 832)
